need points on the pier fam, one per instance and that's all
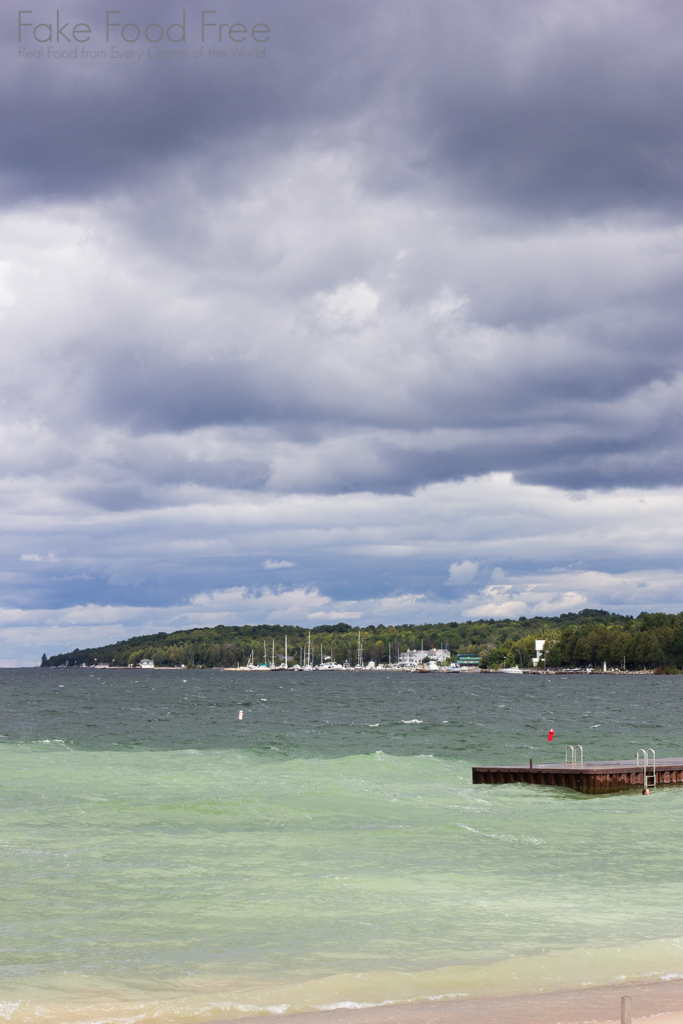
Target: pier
(591, 777)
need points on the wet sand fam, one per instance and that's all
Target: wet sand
(663, 999)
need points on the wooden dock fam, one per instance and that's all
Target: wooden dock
(592, 777)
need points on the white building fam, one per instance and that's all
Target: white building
(540, 645)
(146, 663)
(413, 659)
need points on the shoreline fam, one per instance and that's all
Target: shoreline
(598, 1005)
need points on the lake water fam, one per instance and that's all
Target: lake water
(160, 859)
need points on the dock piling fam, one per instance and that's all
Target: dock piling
(625, 1010)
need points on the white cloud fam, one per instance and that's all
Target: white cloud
(27, 633)
(551, 593)
(7, 298)
(510, 601)
(272, 563)
(461, 572)
(349, 307)
(540, 550)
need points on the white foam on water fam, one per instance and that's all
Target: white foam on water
(196, 998)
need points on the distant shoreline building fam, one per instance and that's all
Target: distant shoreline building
(413, 659)
(468, 662)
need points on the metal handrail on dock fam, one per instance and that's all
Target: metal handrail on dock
(574, 754)
(649, 767)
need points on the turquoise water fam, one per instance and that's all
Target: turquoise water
(161, 860)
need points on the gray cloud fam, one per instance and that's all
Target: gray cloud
(545, 107)
(410, 246)
(330, 359)
(557, 109)
(73, 128)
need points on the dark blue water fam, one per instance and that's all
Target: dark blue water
(479, 717)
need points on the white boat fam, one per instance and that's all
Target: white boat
(516, 671)
(251, 665)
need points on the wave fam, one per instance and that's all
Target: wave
(196, 998)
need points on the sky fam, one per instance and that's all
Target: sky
(366, 312)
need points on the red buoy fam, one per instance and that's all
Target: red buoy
(550, 735)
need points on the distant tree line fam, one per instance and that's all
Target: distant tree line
(574, 639)
(650, 641)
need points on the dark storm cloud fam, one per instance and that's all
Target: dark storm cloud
(552, 107)
(557, 108)
(73, 129)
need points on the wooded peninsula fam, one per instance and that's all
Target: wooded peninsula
(592, 637)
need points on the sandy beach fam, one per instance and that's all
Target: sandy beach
(595, 1005)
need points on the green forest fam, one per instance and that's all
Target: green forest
(575, 639)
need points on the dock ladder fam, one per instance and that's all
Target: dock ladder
(573, 753)
(649, 767)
